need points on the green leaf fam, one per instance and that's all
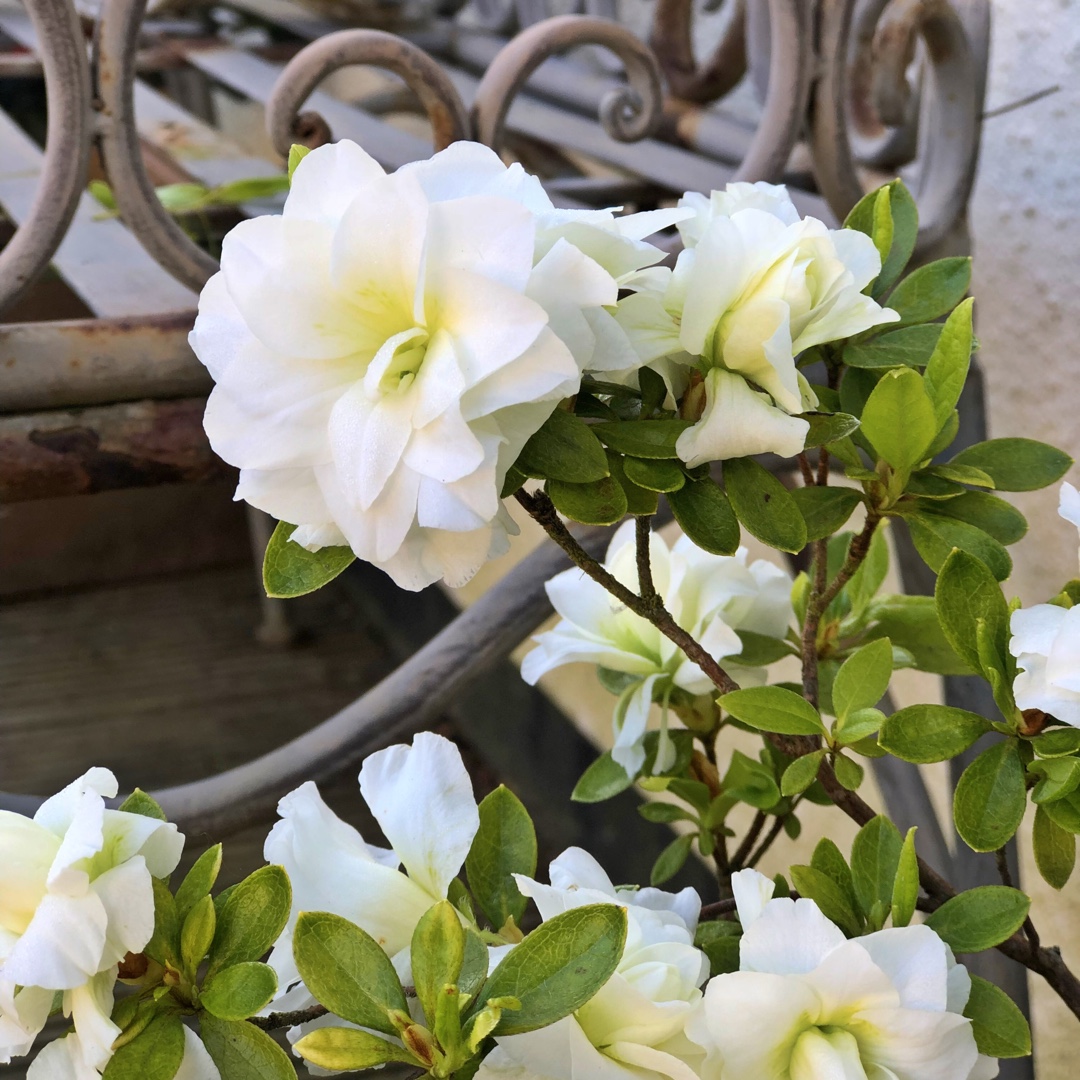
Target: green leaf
(164, 946)
(138, 802)
(935, 536)
(801, 773)
(751, 782)
(197, 934)
(249, 189)
(980, 918)
(603, 779)
(867, 216)
(558, 967)
(899, 418)
(875, 859)
(825, 509)
(1017, 464)
(966, 592)
(924, 734)
(642, 438)
(772, 708)
(1054, 849)
(905, 892)
(154, 1054)
(849, 773)
(564, 448)
(655, 474)
(663, 813)
(1000, 1028)
(989, 801)
(992, 515)
(828, 427)
(474, 967)
(764, 505)
(1058, 742)
(349, 1049)
(760, 650)
(947, 369)
(290, 570)
(297, 153)
(719, 941)
(199, 880)
(641, 502)
(240, 991)
(704, 513)
(602, 502)
(932, 290)
(830, 897)
(511, 482)
(1058, 777)
(242, 1051)
(505, 844)
(829, 859)
(911, 623)
(346, 970)
(960, 474)
(437, 954)
(654, 390)
(910, 346)
(672, 859)
(103, 193)
(869, 577)
(857, 725)
(863, 678)
(182, 198)
(252, 918)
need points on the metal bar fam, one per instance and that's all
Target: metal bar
(83, 451)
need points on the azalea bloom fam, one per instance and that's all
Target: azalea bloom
(1046, 643)
(422, 798)
(808, 1003)
(635, 1026)
(76, 896)
(384, 348)
(755, 286)
(710, 596)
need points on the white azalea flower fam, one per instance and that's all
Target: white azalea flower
(75, 897)
(755, 286)
(422, 798)
(635, 1026)
(710, 596)
(808, 1003)
(384, 348)
(64, 1059)
(1046, 643)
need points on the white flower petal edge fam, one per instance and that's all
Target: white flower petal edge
(635, 1026)
(384, 348)
(333, 869)
(807, 1003)
(711, 596)
(76, 895)
(754, 287)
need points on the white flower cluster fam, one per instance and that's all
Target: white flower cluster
(806, 1004)
(709, 596)
(1046, 644)
(76, 897)
(384, 348)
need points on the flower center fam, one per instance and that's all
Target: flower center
(404, 365)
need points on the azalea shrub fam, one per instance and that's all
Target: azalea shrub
(398, 357)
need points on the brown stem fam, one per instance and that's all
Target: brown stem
(274, 1021)
(643, 535)
(804, 468)
(742, 853)
(770, 837)
(541, 509)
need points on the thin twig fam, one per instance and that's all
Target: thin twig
(766, 843)
(1030, 99)
(643, 537)
(276, 1020)
(804, 468)
(742, 853)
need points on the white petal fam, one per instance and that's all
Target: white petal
(649, 326)
(62, 1059)
(917, 1045)
(158, 842)
(90, 1008)
(127, 894)
(469, 168)
(575, 868)
(788, 937)
(917, 963)
(652, 1059)
(22, 1016)
(328, 179)
(291, 495)
(62, 946)
(57, 812)
(561, 1051)
(630, 726)
(1069, 503)
(27, 851)
(432, 836)
(848, 983)
(738, 422)
(197, 1063)
(821, 1056)
(1034, 629)
(752, 891)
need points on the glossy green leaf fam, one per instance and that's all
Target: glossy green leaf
(164, 946)
(437, 955)
(290, 570)
(346, 970)
(1056, 778)
(297, 153)
(199, 880)
(154, 1054)
(1000, 1028)
(563, 448)
(911, 623)
(935, 536)
(947, 370)
(704, 513)
(655, 474)
(910, 346)
(252, 918)
(558, 967)
(1054, 849)
(1057, 742)
(867, 217)
(967, 592)
(719, 941)
(849, 773)
(899, 418)
(825, 509)
(760, 650)
(240, 991)
(875, 859)
(980, 918)
(242, 1051)
(992, 515)
(138, 802)
(505, 844)
(932, 290)
(905, 893)
(640, 501)
(801, 773)
(927, 733)
(600, 503)
(828, 427)
(349, 1049)
(772, 708)
(642, 438)
(830, 897)
(829, 859)
(863, 678)
(197, 934)
(1017, 464)
(764, 505)
(858, 725)
(603, 779)
(671, 860)
(990, 797)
